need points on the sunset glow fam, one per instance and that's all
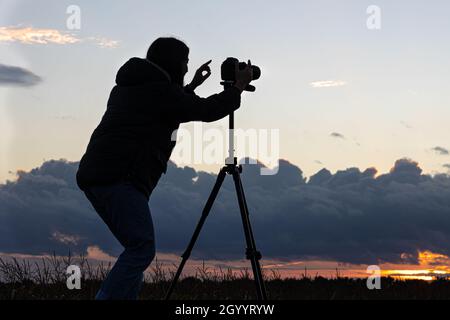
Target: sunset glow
(426, 269)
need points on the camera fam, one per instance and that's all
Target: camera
(229, 76)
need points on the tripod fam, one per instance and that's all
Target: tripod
(251, 253)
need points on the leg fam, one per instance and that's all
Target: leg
(125, 210)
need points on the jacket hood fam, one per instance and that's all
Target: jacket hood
(138, 71)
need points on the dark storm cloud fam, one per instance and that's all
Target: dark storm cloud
(441, 151)
(351, 216)
(16, 76)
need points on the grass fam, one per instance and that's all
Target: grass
(46, 280)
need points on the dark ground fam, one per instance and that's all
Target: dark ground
(243, 289)
(46, 280)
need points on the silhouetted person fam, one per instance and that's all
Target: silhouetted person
(130, 148)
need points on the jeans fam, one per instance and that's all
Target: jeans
(125, 211)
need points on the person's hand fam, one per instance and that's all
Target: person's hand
(199, 76)
(244, 76)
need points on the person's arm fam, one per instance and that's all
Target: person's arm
(201, 75)
(185, 107)
(189, 89)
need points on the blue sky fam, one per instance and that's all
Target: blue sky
(394, 104)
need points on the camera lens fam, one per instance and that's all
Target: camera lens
(256, 72)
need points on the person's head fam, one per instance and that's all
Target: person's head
(172, 55)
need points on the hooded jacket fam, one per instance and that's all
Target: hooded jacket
(133, 141)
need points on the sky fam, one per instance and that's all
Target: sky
(342, 96)
(388, 96)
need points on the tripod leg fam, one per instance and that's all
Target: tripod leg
(206, 210)
(252, 254)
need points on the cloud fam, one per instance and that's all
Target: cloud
(95, 253)
(337, 135)
(328, 84)
(16, 76)
(104, 42)
(65, 238)
(406, 125)
(33, 36)
(350, 216)
(441, 151)
(30, 35)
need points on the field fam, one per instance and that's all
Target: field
(46, 280)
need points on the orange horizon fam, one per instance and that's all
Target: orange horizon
(431, 266)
